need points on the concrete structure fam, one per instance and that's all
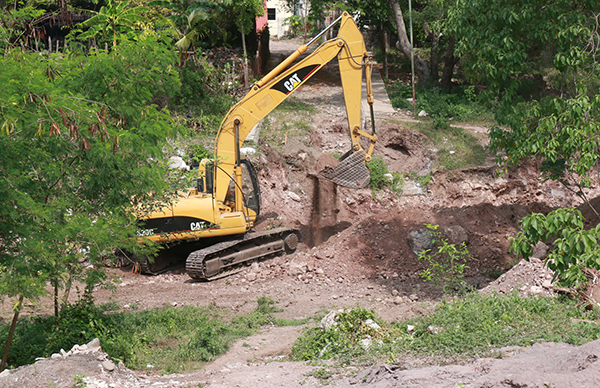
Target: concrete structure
(277, 13)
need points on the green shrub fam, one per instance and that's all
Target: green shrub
(462, 104)
(341, 339)
(446, 263)
(204, 94)
(379, 180)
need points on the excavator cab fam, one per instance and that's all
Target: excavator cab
(245, 192)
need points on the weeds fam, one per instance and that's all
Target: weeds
(455, 147)
(382, 178)
(473, 326)
(479, 324)
(348, 336)
(446, 263)
(171, 339)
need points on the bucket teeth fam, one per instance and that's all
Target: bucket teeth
(351, 172)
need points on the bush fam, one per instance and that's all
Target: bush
(203, 94)
(461, 104)
(378, 171)
(343, 338)
(446, 263)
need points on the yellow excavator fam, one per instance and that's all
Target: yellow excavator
(225, 203)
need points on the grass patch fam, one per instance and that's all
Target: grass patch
(462, 104)
(382, 178)
(293, 118)
(479, 324)
(170, 339)
(455, 147)
(475, 325)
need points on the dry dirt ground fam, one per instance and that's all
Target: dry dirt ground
(355, 251)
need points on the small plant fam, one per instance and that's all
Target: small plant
(343, 338)
(381, 177)
(574, 248)
(446, 263)
(79, 381)
(422, 180)
(295, 23)
(322, 374)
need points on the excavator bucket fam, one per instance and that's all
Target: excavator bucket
(351, 172)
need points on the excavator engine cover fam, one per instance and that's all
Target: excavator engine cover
(351, 172)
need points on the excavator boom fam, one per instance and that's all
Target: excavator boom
(265, 95)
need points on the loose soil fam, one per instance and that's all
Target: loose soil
(356, 250)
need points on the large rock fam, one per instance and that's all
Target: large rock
(420, 240)
(456, 234)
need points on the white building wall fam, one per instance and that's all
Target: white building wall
(277, 27)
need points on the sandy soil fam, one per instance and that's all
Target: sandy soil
(355, 251)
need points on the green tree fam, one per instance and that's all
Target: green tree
(542, 75)
(81, 154)
(114, 19)
(246, 11)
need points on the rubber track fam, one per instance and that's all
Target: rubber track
(195, 261)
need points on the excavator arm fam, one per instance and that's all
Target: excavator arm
(266, 94)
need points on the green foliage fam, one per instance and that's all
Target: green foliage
(343, 338)
(79, 381)
(477, 325)
(116, 20)
(446, 263)
(399, 92)
(573, 248)
(199, 24)
(171, 339)
(296, 24)
(77, 133)
(562, 132)
(16, 23)
(461, 104)
(379, 175)
(203, 94)
(245, 12)
(456, 148)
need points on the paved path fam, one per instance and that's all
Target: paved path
(382, 107)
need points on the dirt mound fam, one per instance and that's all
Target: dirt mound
(403, 149)
(82, 366)
(539, 366)
(527, 278)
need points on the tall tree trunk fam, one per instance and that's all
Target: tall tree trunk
(450, 60)
(384, 43)
(11, 332)
(404, 44)
(434, 61)
(245, 60)
(55, 297)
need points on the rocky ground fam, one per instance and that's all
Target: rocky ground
(357, 250)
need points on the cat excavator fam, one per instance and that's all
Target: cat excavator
(225, 203)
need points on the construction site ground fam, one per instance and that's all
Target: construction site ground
(356, 251)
